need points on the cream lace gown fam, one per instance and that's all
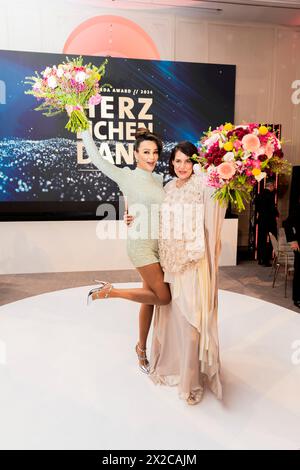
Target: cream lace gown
(185, 345)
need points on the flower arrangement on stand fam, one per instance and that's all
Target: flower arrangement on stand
(234, 158)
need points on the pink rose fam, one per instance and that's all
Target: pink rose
(226, 170)
(256, 163)
(94, 100)
(251, 142)
(252, 126)
(237, 145)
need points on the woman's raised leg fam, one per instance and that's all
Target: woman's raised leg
(154, 292)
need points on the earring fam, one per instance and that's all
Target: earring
(137, 160)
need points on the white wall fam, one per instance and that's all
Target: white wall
(35, 247)
(267, 58)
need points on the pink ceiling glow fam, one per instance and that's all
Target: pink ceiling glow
(111, 35)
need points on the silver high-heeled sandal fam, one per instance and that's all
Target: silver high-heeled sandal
(142, 357)
(102, 285)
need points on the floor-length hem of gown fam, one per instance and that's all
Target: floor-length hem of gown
(213, 383)
(174, 380)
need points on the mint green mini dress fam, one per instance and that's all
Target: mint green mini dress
(144, 192)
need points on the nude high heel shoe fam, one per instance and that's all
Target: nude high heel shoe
(195, 397)
(102, 285)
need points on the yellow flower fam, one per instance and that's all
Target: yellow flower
(228, 126)
(263, 130)
(228, 146)
(98, 76)
(256, 171)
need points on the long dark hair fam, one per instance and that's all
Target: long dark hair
(185, 147)
(143, 134)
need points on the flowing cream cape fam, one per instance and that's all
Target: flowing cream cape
(185, 344)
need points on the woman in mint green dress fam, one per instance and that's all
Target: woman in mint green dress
(143, 187)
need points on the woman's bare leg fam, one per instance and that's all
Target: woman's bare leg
(145, 318)
(156, 292)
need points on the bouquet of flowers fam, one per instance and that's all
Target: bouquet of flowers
(69, 86)
(235, 158)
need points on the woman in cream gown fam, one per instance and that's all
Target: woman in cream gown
(185, 344)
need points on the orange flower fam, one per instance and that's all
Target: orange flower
(251, 142)
(226, 170)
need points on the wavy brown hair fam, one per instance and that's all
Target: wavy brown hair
(185, 147)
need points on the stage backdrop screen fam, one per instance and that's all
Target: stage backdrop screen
(44, 170)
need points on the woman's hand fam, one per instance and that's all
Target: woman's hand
(295, 246)
(69, 108)
(128, 219)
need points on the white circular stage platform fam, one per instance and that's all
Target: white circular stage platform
(69, 379)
